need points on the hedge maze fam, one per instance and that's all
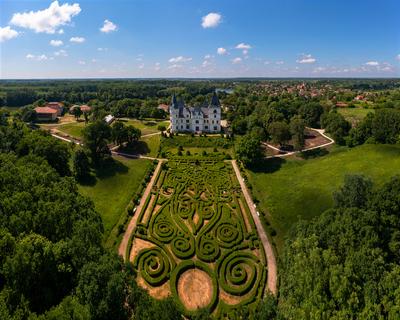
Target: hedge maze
(196, 221)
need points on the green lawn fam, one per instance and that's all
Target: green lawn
(354, 114)
(146, 126)
(73, 129)
(303, 188)
(113, 188)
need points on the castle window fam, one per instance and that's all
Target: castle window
(206, 127)
(215, 128)
(187, 121)
(215, 110)
(197, 121)
(187, 127)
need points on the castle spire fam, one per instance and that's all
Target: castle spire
(215, 100)
(174, 103)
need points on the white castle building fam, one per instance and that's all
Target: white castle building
(199, 119)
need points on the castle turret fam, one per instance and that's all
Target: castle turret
(174, 102)
(215, 100)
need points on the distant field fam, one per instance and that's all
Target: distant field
(354, 114)
(113, 189)
(294, 189)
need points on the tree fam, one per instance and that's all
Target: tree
(95, 136)
(355, 192)
(133, 134)
(279, 132)
(161, 128)
(44, 145)
(119, 133)
(77, 112)
(28, 115)
(335, 124)
(81, 164)
(297, 128)
(311, 113)
(248, 149)
(86, 116)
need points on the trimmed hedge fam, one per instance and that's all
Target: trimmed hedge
(197, 221)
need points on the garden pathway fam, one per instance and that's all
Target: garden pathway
(320, 131)
(132, 223)
(269, 252)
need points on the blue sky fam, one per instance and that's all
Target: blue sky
(220, 38)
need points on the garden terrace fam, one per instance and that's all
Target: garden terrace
(195, 239)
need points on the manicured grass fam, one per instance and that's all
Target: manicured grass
(73, 129)
(354, 114)
(146, 126)
(293, 189)
(114, 187)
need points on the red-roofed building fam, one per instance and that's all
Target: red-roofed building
(164, 107)
(58, 106)
(46, 114)
(84, 108)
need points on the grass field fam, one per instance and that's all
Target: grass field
(146, 126)
(113, 188)
(293, 189)
(354, 114)
(73, 129)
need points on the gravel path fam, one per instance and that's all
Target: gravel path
(132, 223)
(320, 131)
(269, 252)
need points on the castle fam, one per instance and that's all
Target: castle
(198, 119)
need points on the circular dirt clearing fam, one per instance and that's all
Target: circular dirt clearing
(195, 289)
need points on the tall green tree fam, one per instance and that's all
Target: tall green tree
(297, 130)
(95, 139)
(248, 149)
(279, 132)
(81, 164)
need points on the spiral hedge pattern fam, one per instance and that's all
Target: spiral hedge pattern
(199, 219)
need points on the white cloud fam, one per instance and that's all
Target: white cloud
(141, 66)
(81, 62)
(211, 20)
(243, 46)
(56, 43)
(267, 62)
(306, 59)
(221, 51)
(208, 56)
(108, 26)
(206, 63)
(94, 60)
(280, 62)
(157, 66)
(47, 20)
(102, 49)
(77, 39)
(236, 60)
(7, 33)
(61, 53)
(175, 66)
(372, 63)
(398, 57)
(41, 57)
(179, 59)
(61, 31)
